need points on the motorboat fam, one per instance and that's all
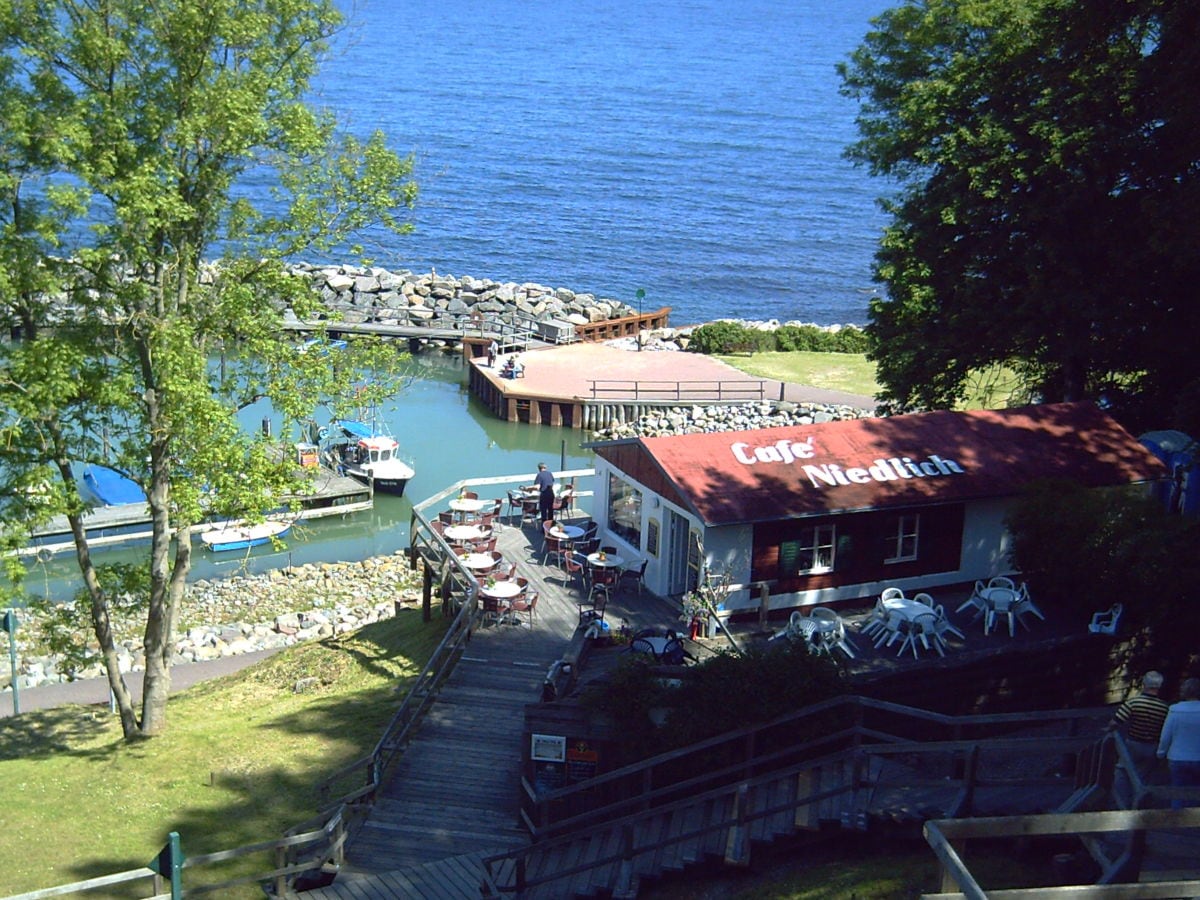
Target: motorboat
(240, 536)
(372, 457)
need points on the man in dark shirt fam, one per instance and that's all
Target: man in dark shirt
(545, 484)
(1140, 719)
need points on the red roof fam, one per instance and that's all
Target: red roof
(938, 457)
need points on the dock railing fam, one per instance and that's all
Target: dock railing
(682, 391)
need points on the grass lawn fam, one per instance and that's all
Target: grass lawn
(237, 765)
(991, 388)
(850, 372)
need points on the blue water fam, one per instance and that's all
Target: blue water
(691, 148)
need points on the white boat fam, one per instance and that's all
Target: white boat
(373, 457)
(240, 536)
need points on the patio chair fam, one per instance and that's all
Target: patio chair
(1001, 581)
(516, 506)
(529, 510)
(828, 640)
(491, 609)
(1002, 603)
(1106, 622)
(975, 600)
(1025, 604)
(446, 517)
(524, 603)
(923, 628)
(876, 621)
(892, 593)
(895, 628)
(553, 547)
(592, 608)
(603, 580)
(634, 575)
(944, 625)
(576, 565)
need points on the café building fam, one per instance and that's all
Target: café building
(838, 510)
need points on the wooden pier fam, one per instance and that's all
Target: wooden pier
(332, 495)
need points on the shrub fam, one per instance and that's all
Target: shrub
(734, 337)
(723, 337)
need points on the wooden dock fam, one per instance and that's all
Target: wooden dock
(332, 495)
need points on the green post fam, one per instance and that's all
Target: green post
(10, 625)
(169, 864)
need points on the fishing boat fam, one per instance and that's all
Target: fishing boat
(371, 456)
(240, 536)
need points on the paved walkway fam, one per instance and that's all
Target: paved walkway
(89, 691)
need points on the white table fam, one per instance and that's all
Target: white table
(463, 533)
(610, 561)
(468, 506)
(566, 532)
(479, 562)
(503, 592)
(907, 607)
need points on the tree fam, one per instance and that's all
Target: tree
(146, 289)
(1046, 157)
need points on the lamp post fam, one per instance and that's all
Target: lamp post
(641, 295)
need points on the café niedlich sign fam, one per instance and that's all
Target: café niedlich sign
(822, 475)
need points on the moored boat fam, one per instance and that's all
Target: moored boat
(240, 536)
(108, 487)
(372, 457)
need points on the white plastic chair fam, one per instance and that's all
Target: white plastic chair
(975, 600)
(892, 593)
(836, 637)
(1025, 605)
(1106, 622)
(1001, 581)
(1001, 603)
(944, 625)
(876, 621)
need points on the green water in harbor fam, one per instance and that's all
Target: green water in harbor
(447, 435)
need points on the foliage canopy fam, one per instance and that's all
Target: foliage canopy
(1046, 159)
(146, 288)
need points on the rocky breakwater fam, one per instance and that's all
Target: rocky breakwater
(244, 614)
(675, 420)
(361, 294)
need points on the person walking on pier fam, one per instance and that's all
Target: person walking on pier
(1140, 719)
(492, 352)
(1180, 740)
(545, 485)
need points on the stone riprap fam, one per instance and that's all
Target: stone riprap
(360, 294)
(673, 420)
(247, 613)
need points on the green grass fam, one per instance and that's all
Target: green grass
(853, 373)
(237, 765)
(850, 372)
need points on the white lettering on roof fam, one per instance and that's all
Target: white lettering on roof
(893, 468)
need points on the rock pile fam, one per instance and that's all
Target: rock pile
(705, 419)
(247, 613)
(370, 294)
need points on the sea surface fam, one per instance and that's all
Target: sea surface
(689, 148)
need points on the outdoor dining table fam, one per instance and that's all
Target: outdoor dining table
(606, 561)
(479, 562)
(465, 507)
(503, 592)
(463, 533)
(566, 532)
(907, 607)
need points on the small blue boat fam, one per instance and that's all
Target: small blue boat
(239, 536)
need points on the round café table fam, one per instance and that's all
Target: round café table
(479, 562)
(503, 592)
(466, 507)
(566, 532)
(463, 533)
(609, 561)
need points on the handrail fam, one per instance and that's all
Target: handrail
(855, 747)
(720, 389)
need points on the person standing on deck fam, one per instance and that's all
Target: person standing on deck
(545, 485)
(1180, 741)
(1140, 719)
(492, 351)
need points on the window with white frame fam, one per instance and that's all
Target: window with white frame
(624, 510)
(811, 553)
(900, 542)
